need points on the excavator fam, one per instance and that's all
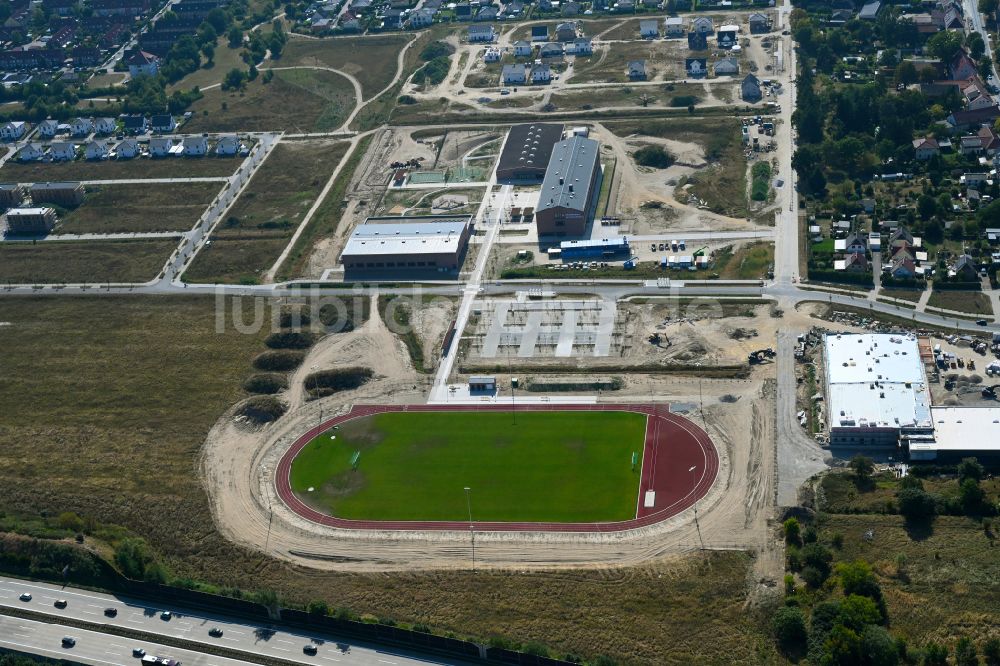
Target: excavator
(990, 392)
(760, 356)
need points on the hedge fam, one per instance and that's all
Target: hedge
(265, 383)
(281, 360)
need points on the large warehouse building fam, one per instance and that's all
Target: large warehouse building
(526, 152)
(876, 389)
(570, 188)
(397, 246)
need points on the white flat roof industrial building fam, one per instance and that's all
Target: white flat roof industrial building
(875, 388)
(395, 244)
(960, 432)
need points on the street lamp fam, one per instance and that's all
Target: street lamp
(472, 531)
(693, 489)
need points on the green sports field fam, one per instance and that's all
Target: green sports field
(550, 467)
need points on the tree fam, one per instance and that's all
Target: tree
(235, 37)
(971, 496)
(987, 6)
(991, 652)
(863, 468)
(877, 647)
(945, 44)
(843, 647)
(974, 42)
(857, 612)
(926, 206)
(965, 653)
(792, 530)
(935, 655)
(906, 73)
(318, 608)
(970, 468)
(915, 504)
(789, 628)
(235, 79)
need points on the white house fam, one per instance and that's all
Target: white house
(492, 54)
(227, 145)
(541, 74)
(522, 49)
(162, 123)
(127, 149)
(925, 148)
(581, 46)
(96, 150)
(673, 27)
(727, 67)
(48, 128)
(30, 153)
(81, 126)
(13, 130)
(703, 25)
(143, 64)
(62, 151)
(482, 33)
(649, 29)
(105, 125)
(159, 146)
(696, 67)
(195, 146)
(514, 75)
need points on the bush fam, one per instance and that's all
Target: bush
(653, 156)
(294, 316)
(793, 532)
(916, 504)
(262, 409)
(291, 340)
(789, 628)
(436, 49)
(681, 101)
(279, 361)
(265, 383)
(328, 382)
(408, 100)
(434, 72)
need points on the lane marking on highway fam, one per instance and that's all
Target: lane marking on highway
(386, 662)
(282, 649)
(41, 650)
(13, 633)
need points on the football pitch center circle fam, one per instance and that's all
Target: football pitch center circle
(379, 473)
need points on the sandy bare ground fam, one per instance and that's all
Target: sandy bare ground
(237, 465)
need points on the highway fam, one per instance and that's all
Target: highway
(92, 647)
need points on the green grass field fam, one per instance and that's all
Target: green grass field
(550, 467)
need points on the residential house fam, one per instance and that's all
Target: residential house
(539, 33)
(142, 63)
(11, 194)
(853, 263)
(728, 36)
(541, 73)
(971, 144)
(162, 123)
(624, 6)
(482, 33)
(649, 29)
(696, 68)
(973, 119)
(853, 244)
(581, 46)
(195, 146)
(870, 11)
(976, 95)
(697, 41)
(48, 128)
(463, 12)
(551, 50)
(13, 130)
(82, 126)
(227, 145)
(962, 67)
(62, 151)
(637, 70)
(127, 149)
(702, 25)
(990, 140)
(759, 24)
(512, 10)
(750, 89)
(902, 267)
(159, 146)
(31, 221)
(522, 49)
(31, 152)
(350, 21)
(727, 67)
(66, 194)
(392, 19)
(95, 150)
(492, 54)
(673, 27)
(925, 148)
(965, 269)
(868, 206)
(901, 237)
(571, 8)
(566, 31)
(105, 125)
(321, 24)
(489, 13)
(422, 18)
(515, 74)
(974, 180)
(86, 56)
(135, 124)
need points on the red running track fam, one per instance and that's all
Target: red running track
(673, 445)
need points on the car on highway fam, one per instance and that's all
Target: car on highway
(25, 596)
(138, 652)
(309, 649)
(166, 615)
(60, 603)
(111, 611)
(68, 641)
(215, 632)
(980, 322)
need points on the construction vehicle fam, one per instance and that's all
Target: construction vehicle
(760, 356)
(699, 252)
(990, 392)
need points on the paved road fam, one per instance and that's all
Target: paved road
(971, 9)
(255, 639)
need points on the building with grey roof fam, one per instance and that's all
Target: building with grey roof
(527, 150)
(569, 188)
(395, 247)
